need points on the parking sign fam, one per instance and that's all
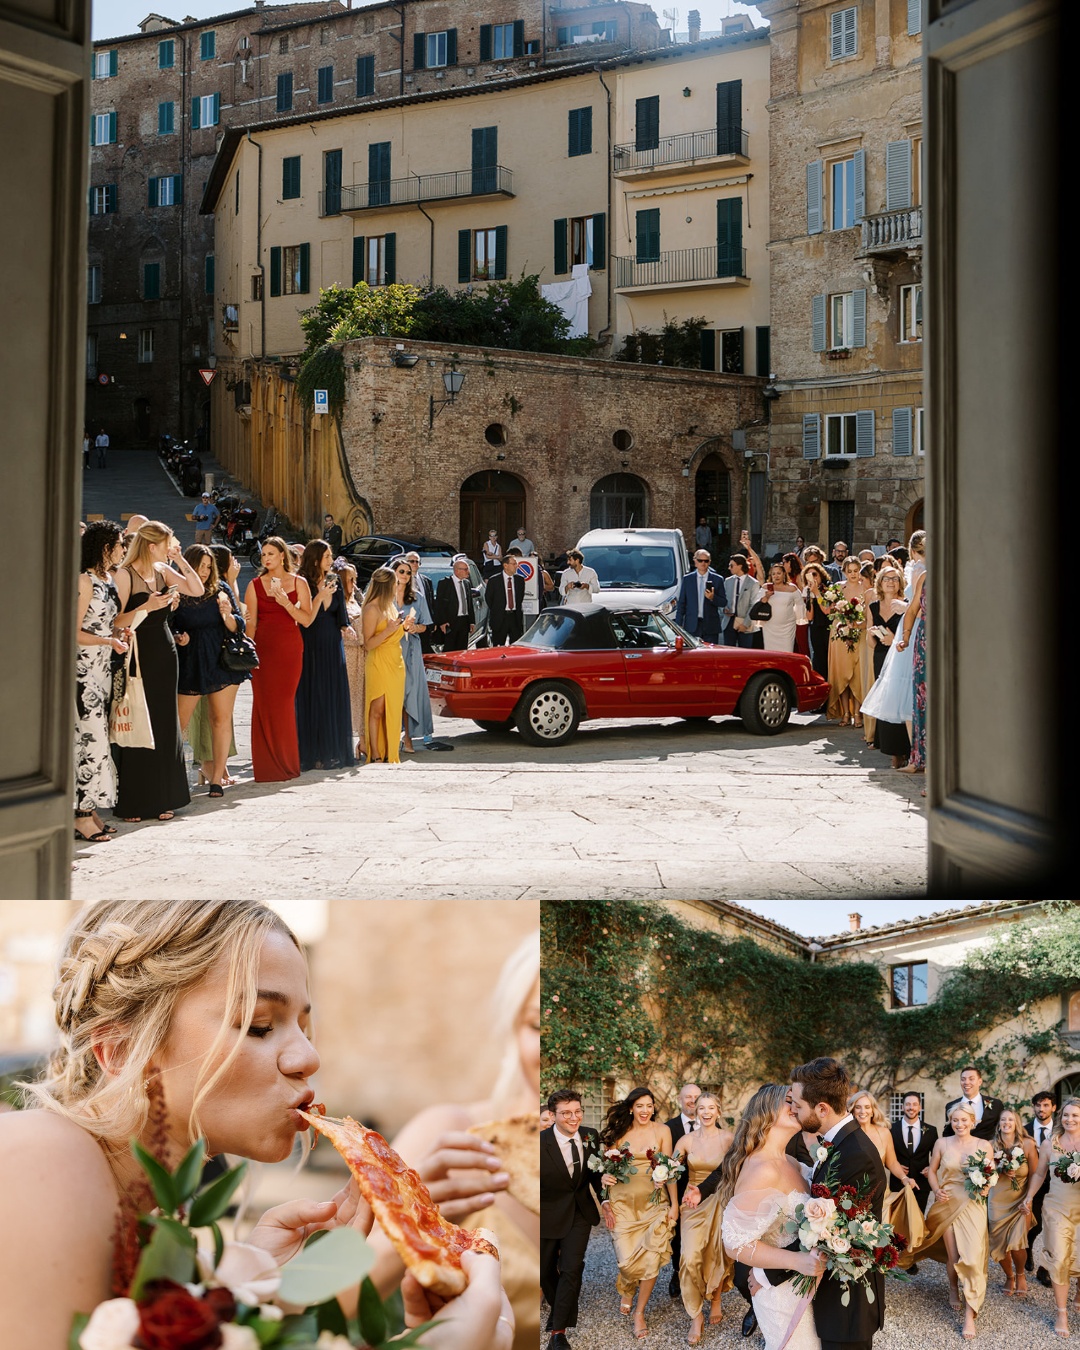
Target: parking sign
(322, 400)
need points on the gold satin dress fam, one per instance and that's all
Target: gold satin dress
(1061, 1216)
(704, 1270)
(1008, 1223)
(967, 1219)
(642, 1232)
(519, 1263)
(901, 1209)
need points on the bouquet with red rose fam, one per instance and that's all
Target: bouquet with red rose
(1067, 1167)
(980, 1175)
(664, 1168)
(614, 1162)
(846, 617)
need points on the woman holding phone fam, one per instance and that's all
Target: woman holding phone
(323, 714)
(788, 610)
(384, 671)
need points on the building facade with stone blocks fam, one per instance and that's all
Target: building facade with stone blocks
(846, 439)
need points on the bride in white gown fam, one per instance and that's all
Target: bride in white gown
(759, 1184)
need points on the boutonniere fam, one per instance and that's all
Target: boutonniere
(821, 1153)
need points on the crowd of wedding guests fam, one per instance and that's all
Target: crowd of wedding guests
(930, 1198)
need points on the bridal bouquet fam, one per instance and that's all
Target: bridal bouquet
(664, 1169)
(616, 1162)
(229, 1295)
(841, 1224)
(845, 616)
(980, 1175)
(1067, 1167)
(1008, 1161)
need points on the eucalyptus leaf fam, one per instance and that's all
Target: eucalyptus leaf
(331, 1318)
(78, 1325)
(161, 1180)
(219, 1244)
(371, 1314)
(187, 1175)
(320, 1272)
(166, 1257)
(212, 1203)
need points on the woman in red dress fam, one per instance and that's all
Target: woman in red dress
(277, 602)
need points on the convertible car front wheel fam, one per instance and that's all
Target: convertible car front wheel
(765, 706)
(547, 714)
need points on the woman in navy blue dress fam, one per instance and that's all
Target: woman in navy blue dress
(323, 710)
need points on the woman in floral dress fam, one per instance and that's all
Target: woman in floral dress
(915, 618)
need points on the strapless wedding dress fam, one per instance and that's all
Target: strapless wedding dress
(759, 1216)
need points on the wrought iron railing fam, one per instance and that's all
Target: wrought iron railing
(683, 264)
(891, 231)
(424, 187)
(685, 148)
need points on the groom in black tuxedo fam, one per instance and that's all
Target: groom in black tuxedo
(568, 1210)
(987, 1109)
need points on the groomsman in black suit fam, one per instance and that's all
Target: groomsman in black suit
(569, 1191)
(987, 1109)
(684, 1123)
(505, 595)
(913, 1140)
(1040, 1128)
(455, 607)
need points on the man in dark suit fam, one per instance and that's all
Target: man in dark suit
(505, 595)
(987, 1109)
(1040, 1129)
(684, 1123)
(455, 607)
(702, 599)
(913, 1141)
(569, 1191)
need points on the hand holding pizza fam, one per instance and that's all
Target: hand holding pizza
(283, 1230)
(478, 1319)
(462, 1172)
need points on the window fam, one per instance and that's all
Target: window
(205, 111)
(485, 159)
(582, 239)
(284, 92)
(916, 171)
(579, 132)
(843, 33)
(483, 255)
(104, 65)
(208, 46)
(365, 76)
(909, 985)
(290, 270)
(647, 123)
(166, 119)
(290, 178)
(843, 194)
(920, 444)
(911, 313)
(93, 284)
(146, 345)
(168, 191)
(764, 360)
(326, 84)
(606, 30)
(283, 45)
(731, 351)
(840, 434)
(208, 274)
(91, 356)
(103, 129)
(436, 50)
(502, 41)
(103, 200)
(729, 249)
(166, 54)
(151, 281)
(375, 260)
(256, 285)
(647, 232)
(838, 322)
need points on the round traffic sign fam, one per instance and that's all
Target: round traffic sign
(526, 569)
(103, 378)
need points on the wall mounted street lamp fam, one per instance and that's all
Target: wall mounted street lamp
(452, 382)
(404, 360)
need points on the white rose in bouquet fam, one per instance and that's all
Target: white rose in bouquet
(1074, 1171)
(992, 1179)
(838, 1243)
(976, 1177)
(113, 1325)
(660, 1175)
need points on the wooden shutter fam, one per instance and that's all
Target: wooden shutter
(647, 123)
(860, 183)
(519, 37)
(599, 241)
(897, 175)
(914, 16)
(729, 237)
(485, 158)
(110, 198)
(901, 431)
(818, 333)
(763, 354)
(815, 196)
(485, 42)
(326, 84)
(195, 123)
(729, 117)
(836, 34)
(290, 177)
(647, 229)
(275, 271)
(851, 31)
(365, 76)
(464, 255)
(708, 349)
(178, 188)
(390, 258)
(419, 51)
(858, 318)
(358, 258)
(208, 274)
(151, 192)
(811, 436)
(864, 434)
(331, 182)
(216, 110)
(562, 266)
(112, 128)
(501, 234)
(451, 46)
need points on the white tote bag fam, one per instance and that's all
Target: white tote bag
(129, 722)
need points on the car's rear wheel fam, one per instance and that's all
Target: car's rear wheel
(765, 706)
(547, 714)
(496, 728)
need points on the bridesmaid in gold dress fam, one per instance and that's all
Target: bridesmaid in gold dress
(846, 685)
(956, 1229)
(641, 1230)
(1009, 1223)
(1061, 1211)
(900, 1208)
(704, 1272)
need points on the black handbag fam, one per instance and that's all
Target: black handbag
(238, 653)
(761, 611)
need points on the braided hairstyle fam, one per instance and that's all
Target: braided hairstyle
(750, 1134)
(123, 967)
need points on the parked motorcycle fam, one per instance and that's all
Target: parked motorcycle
(269, 527)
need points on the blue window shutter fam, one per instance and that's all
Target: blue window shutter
(451, 46)
(112, 63)
(275, 271)
(599, 241)
(897, 175)
(860, 183)
(195, 123)
(914, 16)
(305, 268)
(166, 54)
(858, 313)
(817, 323)
(562, 266)
(419, 51)
(464, 255)
(151, 192)
(390, 258)
(901, 431)
(500, 252)
(815, 178)
(864, 433)
(811, 436)
(519, 37)
(485, 42)
(217, 110)
(112, 128)
(358, 259)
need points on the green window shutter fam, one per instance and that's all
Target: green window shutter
(811, 436)
(485, 42)
(647, 230)
(729, 117)
(864, 434)
(110, 198)
(112, 128)
(208, 274)
(519, 37)
(275, 271)
(419, 51)
(166, 54)
(647, 123)
(464, 255)
(897, 175)
(599, 242)
(858, 323)
(326, 84)
(305, 268)
(208, 46)
(390, 258)
(901, 431)
(764, 358)
(165, 118)
(112, 62)
(561, 264)
(860, 183)
(331, 182)
(729, 237)
(365, 76)
(357, 259)
(151, 281)
(178, 188)
(708, 349)
(151, 192)
(817, 323)
(284, 92)
(500, 252)
(290, 177)
(93, 129)
(451, 46)
(579, 133)
(195, 123)
(217, 110)
(815, 207)
(585, 135)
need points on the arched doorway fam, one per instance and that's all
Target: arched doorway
(618, 501)
(491, 500)
(914, 520)
(1066, 1088)
(712, 499)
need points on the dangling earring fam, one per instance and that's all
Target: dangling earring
(157, 1118)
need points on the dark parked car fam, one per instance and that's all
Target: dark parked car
(375, 550)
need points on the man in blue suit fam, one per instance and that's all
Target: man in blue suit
(700, 607)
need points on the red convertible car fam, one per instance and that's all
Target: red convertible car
(584, 661)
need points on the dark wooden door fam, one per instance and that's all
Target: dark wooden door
(490, 501)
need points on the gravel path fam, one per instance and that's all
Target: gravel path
(918, 1316)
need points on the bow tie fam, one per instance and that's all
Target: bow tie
(821, 1138)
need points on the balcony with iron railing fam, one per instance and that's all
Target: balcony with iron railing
(892, 231)
(682, 267)
(418, 187)
(689, 149)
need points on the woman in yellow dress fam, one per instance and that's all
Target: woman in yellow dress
(956, 1230)
(641, 1229)
(704, 1272)
(1061, 1211)
(1009, 1223)
(900, 1208)
(846, 691)
(384, 667)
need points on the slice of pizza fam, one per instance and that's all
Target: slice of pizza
(517, 1143)
(430, 1245)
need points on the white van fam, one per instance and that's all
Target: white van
(637, 567)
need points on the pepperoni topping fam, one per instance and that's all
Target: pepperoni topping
(379, 1182)
(385, 1154)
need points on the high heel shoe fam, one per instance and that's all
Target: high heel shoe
(699, 1322)
(624, 1307)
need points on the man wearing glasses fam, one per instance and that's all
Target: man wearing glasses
(569, 1191)
(702, 598)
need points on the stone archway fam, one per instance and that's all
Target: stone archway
(712, 499)
(619, 501)
(490, 500)
(1064, 1088)
(914, 519)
